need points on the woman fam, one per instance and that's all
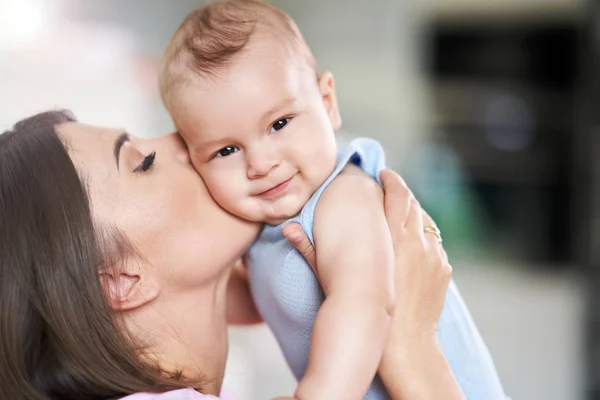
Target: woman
(115, 268)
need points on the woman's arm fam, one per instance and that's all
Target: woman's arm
(413, 366)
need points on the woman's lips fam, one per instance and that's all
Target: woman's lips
(276, 190)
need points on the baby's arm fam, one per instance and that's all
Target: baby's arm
(356, 270)
(241, 309)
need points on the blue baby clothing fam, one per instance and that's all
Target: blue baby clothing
(288, 296)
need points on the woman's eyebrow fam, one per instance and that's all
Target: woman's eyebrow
(119, 142)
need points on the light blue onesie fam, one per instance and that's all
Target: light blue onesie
(288, 296)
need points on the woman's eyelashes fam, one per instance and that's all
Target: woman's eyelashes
(146, 163)
(280, 124)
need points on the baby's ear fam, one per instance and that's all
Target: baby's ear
(327, 88)
(127, 289)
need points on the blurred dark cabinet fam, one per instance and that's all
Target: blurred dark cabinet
(587, 232)
(504, 96)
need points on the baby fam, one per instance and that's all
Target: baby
(243, 90)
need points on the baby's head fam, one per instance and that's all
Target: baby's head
(243, 90)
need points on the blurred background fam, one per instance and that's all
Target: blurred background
(487, 108)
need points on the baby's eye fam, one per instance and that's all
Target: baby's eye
(280, 124)
(228, 150)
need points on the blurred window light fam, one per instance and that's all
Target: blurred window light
(22, 21)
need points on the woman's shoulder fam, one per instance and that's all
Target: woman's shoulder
(181, 394)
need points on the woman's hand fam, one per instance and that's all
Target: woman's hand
(422, 269)
(422, 277)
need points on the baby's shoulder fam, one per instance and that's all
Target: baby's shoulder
(352, 180)
(351, 191)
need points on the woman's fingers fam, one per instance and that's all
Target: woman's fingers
(295, 234)
(414, 222)
(427, 220)
(434, 242)
(434, 245)
(429, 224)
(397, 203)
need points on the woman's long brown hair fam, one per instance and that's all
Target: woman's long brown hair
(58, 337)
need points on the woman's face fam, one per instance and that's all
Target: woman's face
(159, 202)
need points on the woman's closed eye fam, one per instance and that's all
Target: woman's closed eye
(146, 163)
(280, 124)
(226, 151)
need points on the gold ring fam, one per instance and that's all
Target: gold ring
(435, 231)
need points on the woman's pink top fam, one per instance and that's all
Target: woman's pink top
(181, 394)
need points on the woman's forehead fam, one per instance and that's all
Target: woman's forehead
(91, 150)
(89, 144)
(82, 135)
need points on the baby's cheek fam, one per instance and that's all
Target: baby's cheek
(221, 188)
(229, 196)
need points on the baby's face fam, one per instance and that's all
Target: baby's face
(261, 134)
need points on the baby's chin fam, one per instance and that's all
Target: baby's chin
(280, 213)
(280, 220)
(269, 212)
(280, 217)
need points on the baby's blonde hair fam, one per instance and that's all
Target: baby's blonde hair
(210, 37)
